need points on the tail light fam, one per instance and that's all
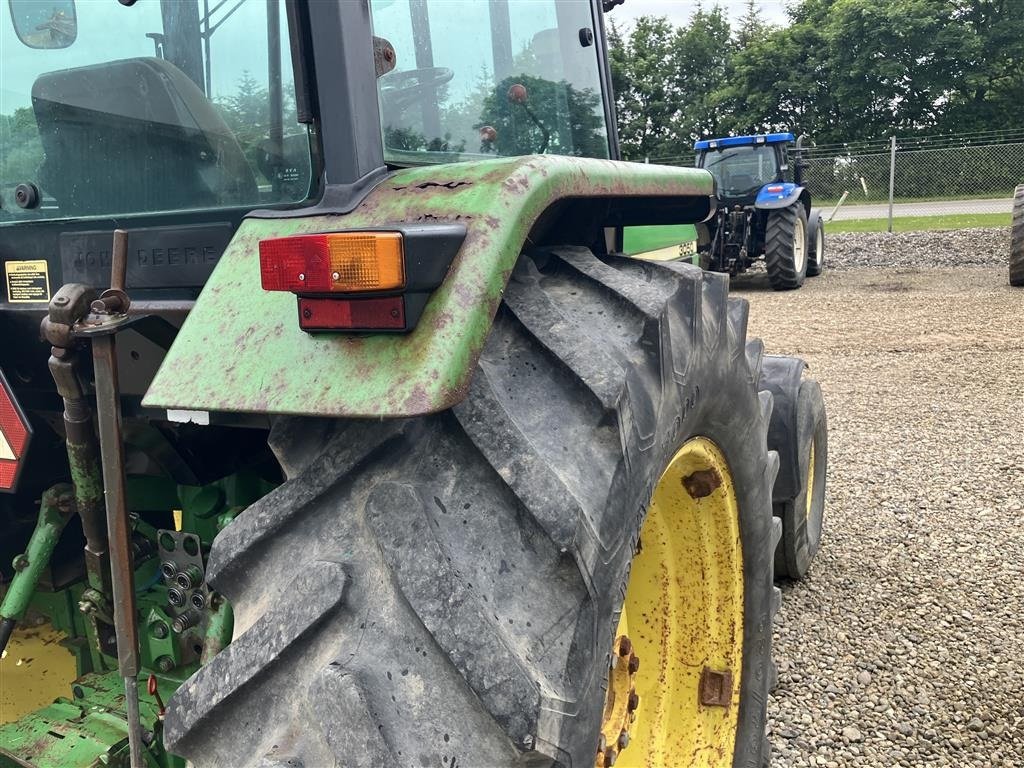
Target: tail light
(361, 280)
(774, 188)
(346, 262)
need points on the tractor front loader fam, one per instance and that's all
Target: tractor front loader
(353, 439)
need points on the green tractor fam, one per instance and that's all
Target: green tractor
(352, 438)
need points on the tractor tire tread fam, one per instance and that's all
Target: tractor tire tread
(1017, 238)
(778, 248)
(443, 589)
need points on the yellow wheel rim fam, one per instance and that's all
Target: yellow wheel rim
(674, 685)
(810, 482)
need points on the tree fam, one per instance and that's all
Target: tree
(646, 96)
(701, 67)
(841, 71)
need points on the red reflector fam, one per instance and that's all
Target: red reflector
(775, 188)
(14, 435)
(7, 471)
(352, 314)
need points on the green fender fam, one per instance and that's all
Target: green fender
(241, 348)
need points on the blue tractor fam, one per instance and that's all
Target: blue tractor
(764, 209)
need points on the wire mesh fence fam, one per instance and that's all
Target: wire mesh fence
(952, 175)
(923, 176)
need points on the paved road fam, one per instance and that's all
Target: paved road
(938, 208)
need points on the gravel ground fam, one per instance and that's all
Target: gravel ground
(905, 645)
(983, 247)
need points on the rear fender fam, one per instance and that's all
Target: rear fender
(241, 348)
(791, 193)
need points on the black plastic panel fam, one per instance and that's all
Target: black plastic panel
(158, 257)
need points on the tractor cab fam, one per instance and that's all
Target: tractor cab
(750, 169)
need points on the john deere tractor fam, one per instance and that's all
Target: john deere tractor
(764, 210)
(352, 439)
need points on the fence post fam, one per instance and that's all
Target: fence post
(892, 177)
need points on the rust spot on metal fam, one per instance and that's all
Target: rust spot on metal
(702, 483)
(715, 688)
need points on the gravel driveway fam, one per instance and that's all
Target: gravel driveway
(905, 645)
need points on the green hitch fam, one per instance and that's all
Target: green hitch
(218, 630)
(55, 509)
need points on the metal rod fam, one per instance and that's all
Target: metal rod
(274, 88)
(892, 177)
(842, 200)
(206, 46)
(108, 412)
(119, 260)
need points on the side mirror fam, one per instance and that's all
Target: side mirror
(51, 24)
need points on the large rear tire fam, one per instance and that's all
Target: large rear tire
(446, 590)
(1017, 238)
(785, 247)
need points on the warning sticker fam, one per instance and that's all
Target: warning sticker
(27, 281)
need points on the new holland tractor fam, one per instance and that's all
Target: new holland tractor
(764, 210)
(336, 430)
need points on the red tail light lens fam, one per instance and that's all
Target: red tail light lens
(387, 313)
(774, 188)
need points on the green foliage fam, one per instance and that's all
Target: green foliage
(840, 71)
(556, 118)
(22, 151)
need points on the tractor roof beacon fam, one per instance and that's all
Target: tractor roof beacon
(765, 210)
(361, 413)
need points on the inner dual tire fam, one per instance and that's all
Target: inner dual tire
(799, 434)
(471, 588)
(815, 243)
(1017, 238)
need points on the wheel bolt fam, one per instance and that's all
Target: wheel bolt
(623, 739)
(634, 664)
(634, 701)
(602, 744)
(625, 646)
(610, 756)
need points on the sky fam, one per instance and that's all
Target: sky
(679, 11)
